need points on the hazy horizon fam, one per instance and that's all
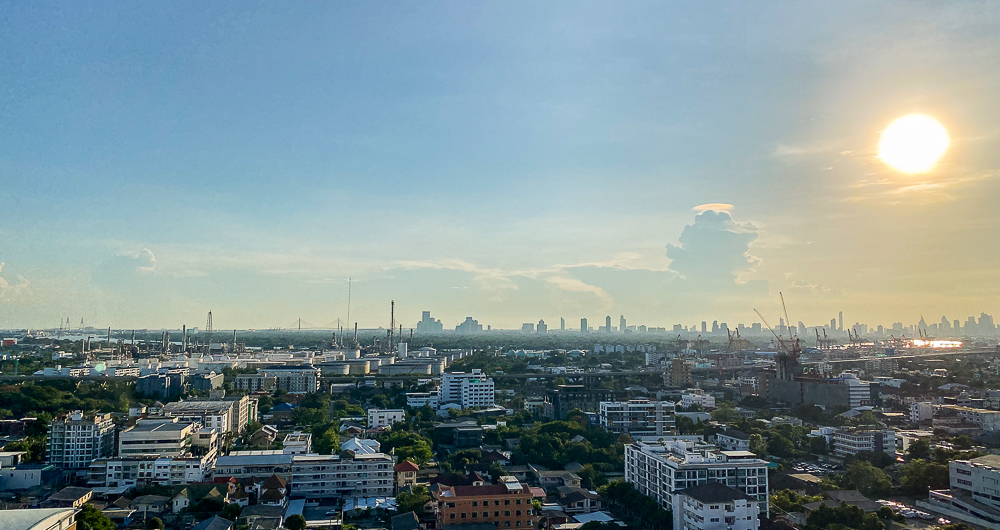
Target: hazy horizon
(506, 161)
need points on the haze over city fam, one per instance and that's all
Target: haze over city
(512, 162)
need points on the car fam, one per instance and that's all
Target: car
(333, 512)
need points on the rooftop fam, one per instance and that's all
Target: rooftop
(712, 492)
(28, 519)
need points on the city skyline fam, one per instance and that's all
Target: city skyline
(668, 163)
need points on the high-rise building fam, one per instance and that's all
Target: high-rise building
(713, 506)
(562, 324)
(840, 327)
(607, 324)
(660, 469)
(541, 328)
(704, 326)
(471, 390)
(583, 325)
(621, 323)
(428, 324)
(469, 326)
(75, 439)
(715, 326)
(527, 327)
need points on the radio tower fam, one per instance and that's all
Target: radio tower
(208, 333)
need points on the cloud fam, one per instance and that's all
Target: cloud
(793, 151)
(928, 190)
(815, 288)
(715, 249)
(578, 286)
(13, 292)
(714, 206)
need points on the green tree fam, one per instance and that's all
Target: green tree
(295, 522)
(919, 475)
(725, 412)
(757, 445)
(790, 501)
(231, 511)
(154, 524)
(817, 445)
(919, 450)
(90, 518)
(780, 446)
(413, 501)
(867, 479)
(962, 442)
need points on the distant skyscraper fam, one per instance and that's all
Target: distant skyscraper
(541, 328)
(428, 324)
(833, 324)
(621, 323)
(583, 325)
(469, 326)
(841, 326)
(715, 326)
(704, 326)
(527, 327)
(607, 324)
(562, 324)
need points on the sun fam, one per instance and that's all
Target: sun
(913, 143)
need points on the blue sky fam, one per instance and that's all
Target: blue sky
(511, 161)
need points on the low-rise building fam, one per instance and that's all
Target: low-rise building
(921, 411)
(733, 440)
(506, 505)
(848, 442)
(714, 506)
(385, 417)
(638, 417)
(246, 464)
(297, 443)
(697, 397)
(330, 477)
(255, 382)
(294, 379)
(158, 437)
(406, 474)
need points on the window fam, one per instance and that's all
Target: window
(714, 519)
(451, 515)
(506, 502)
(475, 503)
(507, 513)
(519, 512)
(463, 515)
(475, 514)
(519, 501)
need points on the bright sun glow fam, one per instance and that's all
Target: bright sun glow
(913, 143)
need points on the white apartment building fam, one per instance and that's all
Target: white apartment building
(255, 382)
(227, 415)
(259, 463)
(142, 470)
(419, 399)
(294, 379)
(297, 443)
(74, 439)
(329, 477)
(698, 397)
(659, 469)
(168, 437)
(384, 417)
(470, 390)
(638, 417)
(922, 411)
(733, 440)
(713, 506)
(974, 496)
(859, 392)
(211, 414)
(987, 420)
(853, 441)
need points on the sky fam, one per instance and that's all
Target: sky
(509, 161)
